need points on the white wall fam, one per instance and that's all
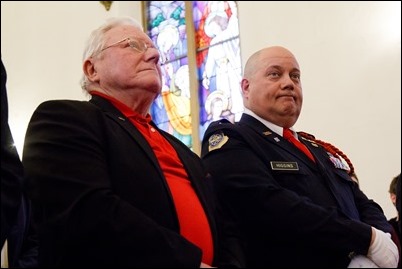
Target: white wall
(349, 53)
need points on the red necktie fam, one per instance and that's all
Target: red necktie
(288, 135)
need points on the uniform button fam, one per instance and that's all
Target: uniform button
(153, 129)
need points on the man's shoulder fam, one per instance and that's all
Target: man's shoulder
(61, 103)
(219, 126)
(221, 123)
(67, 105)
(393, 221)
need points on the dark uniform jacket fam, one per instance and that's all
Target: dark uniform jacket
(99, 194)
(291, 212)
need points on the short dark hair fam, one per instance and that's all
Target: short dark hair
(392, 186)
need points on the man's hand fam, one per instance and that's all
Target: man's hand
(383, 250)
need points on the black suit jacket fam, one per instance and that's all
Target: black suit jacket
(11, 168)
(22, 245)
(291, 212)
(99, 194)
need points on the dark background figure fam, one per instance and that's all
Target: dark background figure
(16, 228)
(393, 195)
(395, 222)
(398, 200)
(398, 208)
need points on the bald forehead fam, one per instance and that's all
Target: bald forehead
(266, 56)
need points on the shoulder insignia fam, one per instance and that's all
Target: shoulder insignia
(217, 140)
(309, 140)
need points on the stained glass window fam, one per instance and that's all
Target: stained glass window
(217, 59)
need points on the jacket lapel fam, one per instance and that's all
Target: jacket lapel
(113, 113)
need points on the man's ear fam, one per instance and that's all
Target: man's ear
(90, 70)
(393, 198)
(245, 87)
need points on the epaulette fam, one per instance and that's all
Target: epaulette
(306, 135)
(221, 121)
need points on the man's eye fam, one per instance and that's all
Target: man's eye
(295, 76)
(274, 74)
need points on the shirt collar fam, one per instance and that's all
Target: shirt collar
(127, 111)
(277, 129)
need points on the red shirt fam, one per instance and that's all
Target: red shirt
(194, 225)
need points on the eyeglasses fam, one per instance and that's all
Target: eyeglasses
(138, 45)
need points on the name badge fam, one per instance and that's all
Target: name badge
(287, 166)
